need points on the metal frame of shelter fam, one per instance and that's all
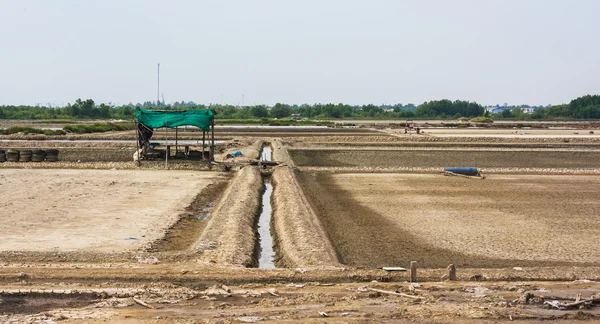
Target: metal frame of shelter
(149, 120)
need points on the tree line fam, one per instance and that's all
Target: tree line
(586, 107)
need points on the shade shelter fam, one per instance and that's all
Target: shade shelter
(149, 120)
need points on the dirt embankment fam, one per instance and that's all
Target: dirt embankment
(448, 158)
(250, 151)
(301, 238)
(146, 165)
(280, 152)
(434, 139)
(229, 236)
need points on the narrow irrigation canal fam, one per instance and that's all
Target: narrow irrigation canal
(266, 252)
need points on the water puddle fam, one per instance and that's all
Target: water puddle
(266, 154)
(266, 256)
(265, 251)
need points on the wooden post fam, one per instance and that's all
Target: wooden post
(212, 145)
(413, 271)
(176, 134)
(451, 272)
(203, 138)
(137, 142)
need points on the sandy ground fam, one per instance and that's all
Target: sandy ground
(297, 302)
(95, 210)
(504, 220)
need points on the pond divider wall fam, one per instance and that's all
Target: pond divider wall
(229, 236)
(301, 238)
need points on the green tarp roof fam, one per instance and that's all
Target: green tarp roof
(170, 119)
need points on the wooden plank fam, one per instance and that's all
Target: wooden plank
(393, 293)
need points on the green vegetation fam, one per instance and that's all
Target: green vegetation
(99, 127)
(31, 130)
(482, 120)
(55, 121)
(586, 107)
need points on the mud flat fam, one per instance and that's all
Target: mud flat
(448, 158)
(92, 210)
(379, 220)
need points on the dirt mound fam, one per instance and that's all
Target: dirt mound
(301, 239)
(280, 153)
(229, 236)
(250, 150)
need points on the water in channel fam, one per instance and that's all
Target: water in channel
(266, 257)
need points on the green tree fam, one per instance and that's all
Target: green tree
(259, 111)
(281, 111)
(507, 113)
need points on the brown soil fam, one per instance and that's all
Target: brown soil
(250, 151)
(301, 239)
(280, 153)
(183, 234)
(373, 219)
(99, 210)
(390, 138)
(447, 158)
(299, 302)
(229, 236)
(380, 220)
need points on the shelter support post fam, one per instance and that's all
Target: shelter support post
(203, 142)
(212, 145)
(137, 143)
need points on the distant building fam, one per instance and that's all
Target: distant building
(388, 109)
(494, 110)
(528, 110)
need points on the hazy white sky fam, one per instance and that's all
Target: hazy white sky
(356, 52)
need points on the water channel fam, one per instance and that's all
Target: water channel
(266, 254)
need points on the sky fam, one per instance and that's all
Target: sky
(535, 52)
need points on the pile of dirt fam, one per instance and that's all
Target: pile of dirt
(229, 236)
(250, 150)
(301, 239)
(280, 153)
